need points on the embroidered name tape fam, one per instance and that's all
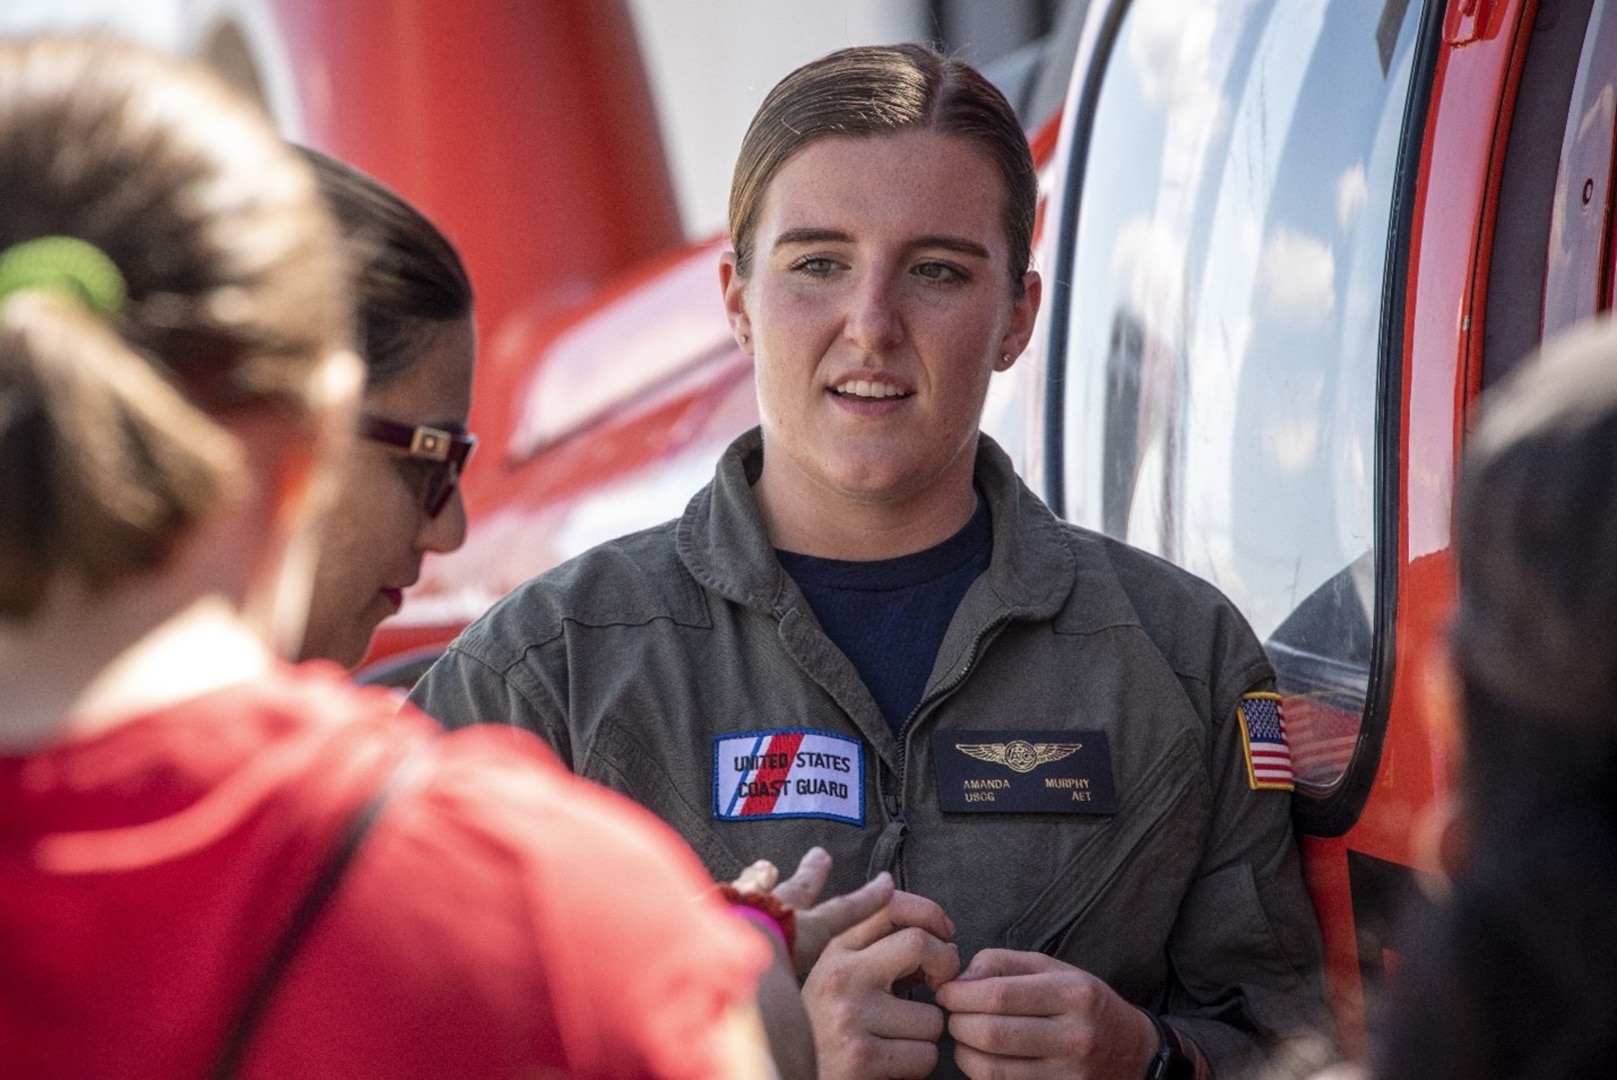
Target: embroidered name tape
(1263, 735)
(788, 774)
(1024, 772)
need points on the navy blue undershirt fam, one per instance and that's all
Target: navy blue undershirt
(889, 616)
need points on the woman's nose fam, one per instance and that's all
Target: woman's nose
(447, 531)
(874, 322)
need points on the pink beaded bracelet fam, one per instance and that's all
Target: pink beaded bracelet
(764, 910)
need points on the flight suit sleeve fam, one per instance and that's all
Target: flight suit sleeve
(469, 686)
(1246, 949)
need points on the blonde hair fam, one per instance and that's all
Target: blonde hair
(109, 442)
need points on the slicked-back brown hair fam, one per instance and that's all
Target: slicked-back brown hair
(883, 90)
(408, 276)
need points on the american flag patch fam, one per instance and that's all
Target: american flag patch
(1263, 737)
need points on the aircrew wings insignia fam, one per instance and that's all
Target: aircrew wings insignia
(1018, 754)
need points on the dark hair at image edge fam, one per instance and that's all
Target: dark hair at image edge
(110, 447)
(407, 273)
(1537, 535)
(882, 90)
(1515, 974)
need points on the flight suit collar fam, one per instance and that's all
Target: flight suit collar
(722, 540)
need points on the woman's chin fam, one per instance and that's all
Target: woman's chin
(345, 647)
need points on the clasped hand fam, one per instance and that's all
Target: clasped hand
(1012, 1014)
(1028, 1015)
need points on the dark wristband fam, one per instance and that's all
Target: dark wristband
(1171, 1062)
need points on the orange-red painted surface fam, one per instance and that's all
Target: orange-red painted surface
(1456, 189)
(525, 128)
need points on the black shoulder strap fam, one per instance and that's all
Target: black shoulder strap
(304, 916)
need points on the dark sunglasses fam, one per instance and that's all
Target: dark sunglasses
(443, 453)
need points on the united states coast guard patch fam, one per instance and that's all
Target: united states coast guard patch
(788, 774)
(1263, 737)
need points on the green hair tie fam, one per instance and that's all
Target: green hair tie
(66, 265)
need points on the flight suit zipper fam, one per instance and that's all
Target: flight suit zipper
(889, 853)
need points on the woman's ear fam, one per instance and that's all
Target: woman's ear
(276, 520)
(1019, 328)
(734, 287)
(298, 483)
(303, 480)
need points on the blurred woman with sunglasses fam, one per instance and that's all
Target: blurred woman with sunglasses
(399, 489)
(212, 862)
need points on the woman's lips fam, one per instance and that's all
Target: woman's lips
(870, 406)
(395, 597)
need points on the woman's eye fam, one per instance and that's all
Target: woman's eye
(814, 266)
(416, 474)
(939, 271)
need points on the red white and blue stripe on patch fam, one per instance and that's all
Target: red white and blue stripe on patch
(1263, 736)
(788, 774)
